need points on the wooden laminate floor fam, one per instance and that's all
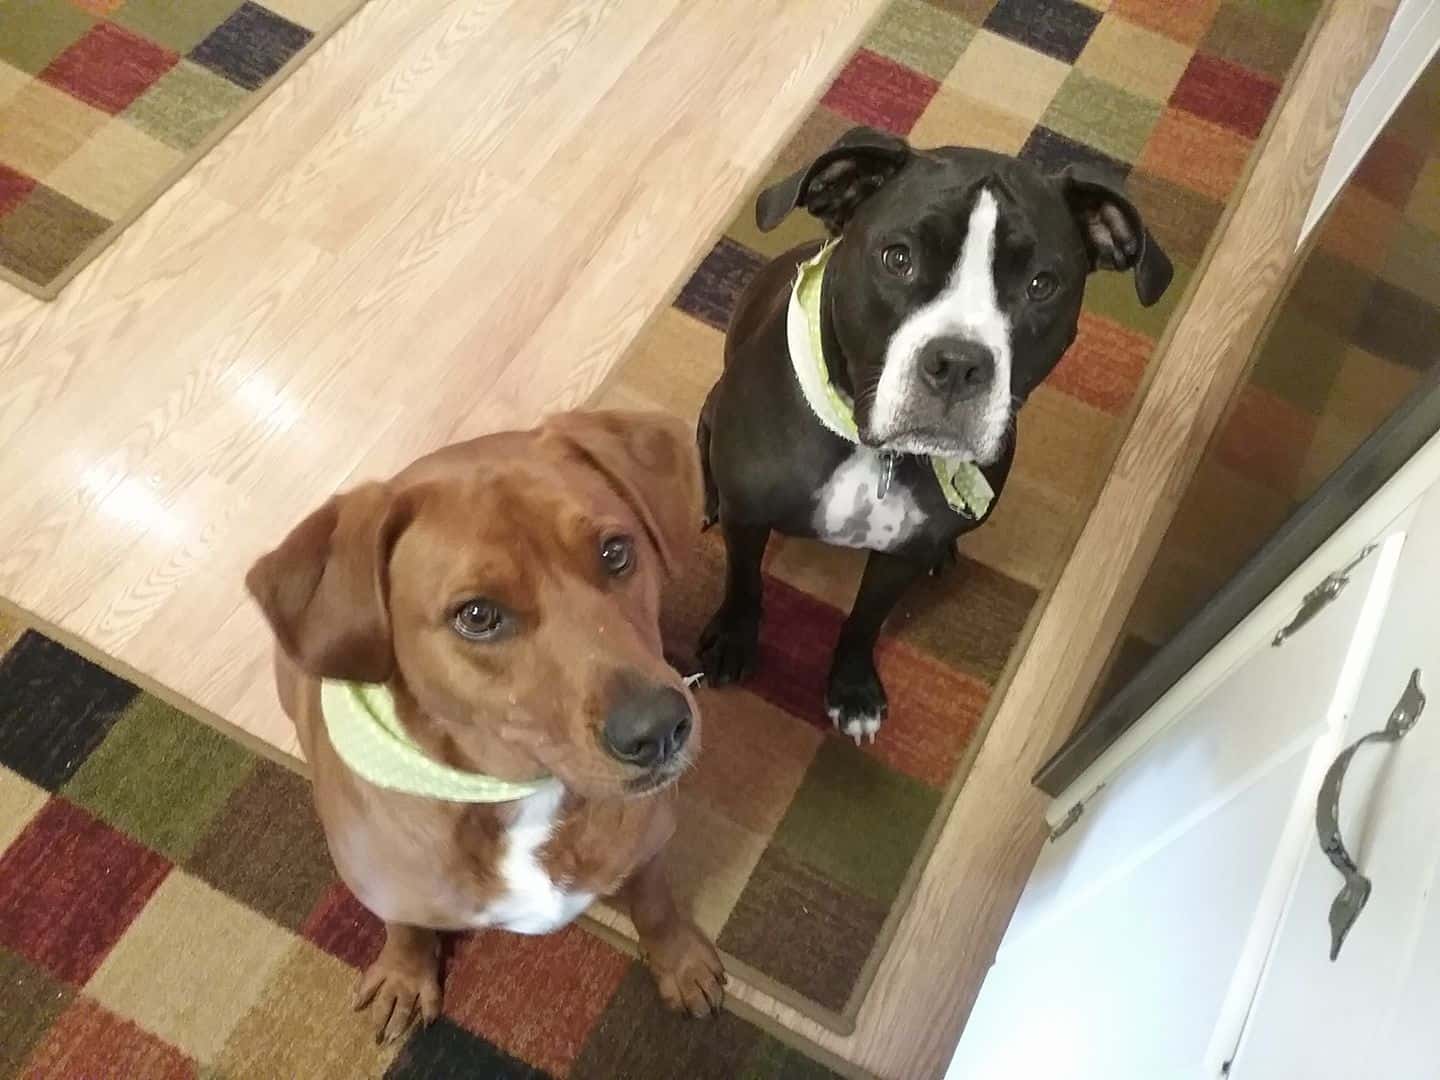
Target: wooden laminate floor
(454, 218)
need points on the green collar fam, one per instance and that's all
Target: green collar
(368, 736)
(961, 482)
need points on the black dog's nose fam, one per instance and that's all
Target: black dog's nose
(649, 727)
(957, 368)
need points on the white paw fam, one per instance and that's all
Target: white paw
(860, 727)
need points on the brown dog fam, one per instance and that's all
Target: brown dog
(506, 592)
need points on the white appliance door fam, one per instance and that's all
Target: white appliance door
(1137, 945)
(1371, 1012)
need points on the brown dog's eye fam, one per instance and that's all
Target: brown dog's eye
(1042, 286)
(617, 555)
(897, 260)
(478, 620)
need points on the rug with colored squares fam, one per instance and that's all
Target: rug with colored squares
(105, 103)
(810, 846)
(168, 909)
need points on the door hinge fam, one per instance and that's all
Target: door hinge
(1071, 816)
(1320, 597)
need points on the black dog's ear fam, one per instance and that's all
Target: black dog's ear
(837, 181)
(1114, 234)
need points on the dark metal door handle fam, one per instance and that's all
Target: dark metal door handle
(1353, 895)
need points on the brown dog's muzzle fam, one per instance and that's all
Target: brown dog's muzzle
(647, 725)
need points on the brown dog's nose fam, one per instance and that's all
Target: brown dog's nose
(957, 368)
(649, 727)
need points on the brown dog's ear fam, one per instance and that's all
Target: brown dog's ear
(323, 590)
(650, 459)
(1114, 234)
(833, 185)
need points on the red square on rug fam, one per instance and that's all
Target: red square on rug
(797, 637)
(1195, 153)
(1105, 365)
(495, 981)
(1226, 94)
(936, 715)
(89, 1040)
(70, 886)
(874, 90)
(344, 927)
(934, 708)
(14, 186)
(109, 67)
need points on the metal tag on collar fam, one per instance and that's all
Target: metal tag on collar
(887, 475)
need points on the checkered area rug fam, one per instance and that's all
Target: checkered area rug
(168, 909)
(803, 849)
(105, 103)
(1358, 330)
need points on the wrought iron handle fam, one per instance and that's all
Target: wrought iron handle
(1346, 907)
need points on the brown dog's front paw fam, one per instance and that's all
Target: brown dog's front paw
(687, 970)
(403, 984)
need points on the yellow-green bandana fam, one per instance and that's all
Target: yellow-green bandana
(368, 736)
(961, 482)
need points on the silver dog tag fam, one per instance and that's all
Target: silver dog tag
(887, 475)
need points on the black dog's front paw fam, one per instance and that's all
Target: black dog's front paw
(729, 647)
(855, 699)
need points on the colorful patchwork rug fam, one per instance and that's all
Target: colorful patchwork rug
(1358, 330)
(106, 103)
(168, 909)
(802, 849)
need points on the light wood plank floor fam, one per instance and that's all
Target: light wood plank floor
(454, 218)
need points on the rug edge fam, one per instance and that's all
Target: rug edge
(97, 247)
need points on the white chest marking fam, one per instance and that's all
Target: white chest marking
(848, 511)
(967, 307)
(531, 902)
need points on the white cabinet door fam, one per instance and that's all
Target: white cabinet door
(1137, 945)
(1372, 1011)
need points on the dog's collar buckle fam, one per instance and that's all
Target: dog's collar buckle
(887, 474)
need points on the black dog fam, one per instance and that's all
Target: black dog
(871, 384)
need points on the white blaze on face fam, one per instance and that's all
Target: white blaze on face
(967, 307)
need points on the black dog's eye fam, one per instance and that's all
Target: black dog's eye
(478, 619)
(1042, 286)
(897, 260)
(617, 555)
